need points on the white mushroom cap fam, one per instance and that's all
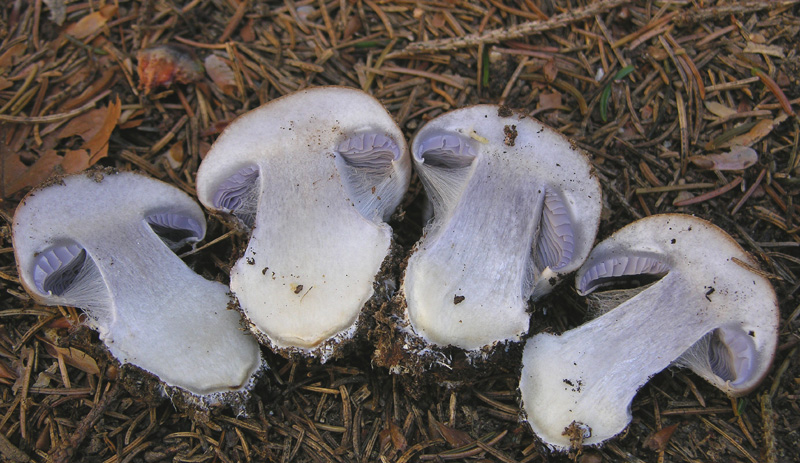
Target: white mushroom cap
(101, 243)
(707, 311)
(315, 174)
(516, 207)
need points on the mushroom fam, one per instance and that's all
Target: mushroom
(314, 175)
(710, 311)
(104, 242)
(516, 206)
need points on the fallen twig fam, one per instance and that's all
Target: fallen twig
(711, 194)
(54, 117)
(64, 452)
(513, 32)
(700, 15)
(10, 451)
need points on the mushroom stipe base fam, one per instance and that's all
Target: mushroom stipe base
(340, 346)
(420, 364)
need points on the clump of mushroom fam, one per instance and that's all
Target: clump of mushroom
(314, 176)
(104, 242)
(516, 207)
(709, 310)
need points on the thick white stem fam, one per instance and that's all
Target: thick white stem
(167, 319)
(590, 374)
(312, 257)
(467, 285)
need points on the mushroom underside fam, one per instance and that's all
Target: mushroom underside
(306, 275)
(58, 267)
(366, 165)
(696, 308)
(727, 351)
(494, 233)
(447, 159)
(105, 244)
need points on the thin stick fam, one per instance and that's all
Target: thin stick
(234, 21)
(513, 32)
(10, 451)
(711, 194)
(64, 452)
(701, 15)
(729, 439)
(749, 191)
(210, 243)
(53, 117)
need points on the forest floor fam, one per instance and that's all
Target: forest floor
(662, 95)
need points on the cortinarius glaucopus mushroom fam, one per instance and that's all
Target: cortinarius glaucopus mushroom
(516, 206)
(102, 242)
(709, 311)
(315, 174)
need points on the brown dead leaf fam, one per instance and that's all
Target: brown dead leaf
(95, 128)
(77, 358)
(454, 437)
(759, 131)
(657, 52)
(131, 118)
(37, 173)
(646, 113)
(384, 438)
(59, 323)
(11, 166)
(719, 109)
(398, 439)
(550, 70)
(591, 456)
(222, 75)
(107, 78)
(738, 158)
(658, 441)
(9, 57)
(91, 23)
(44, 377)
(353, 25)
(215, 128)
(549, 100)
(175, 155)
(743, 106)
(81, 75)
(130, 124)
(98, 144)
(43, 442)
(438, 20)
(73, 161)
(162, 65)
(85, 125)
(6, 372)
(248, 33)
